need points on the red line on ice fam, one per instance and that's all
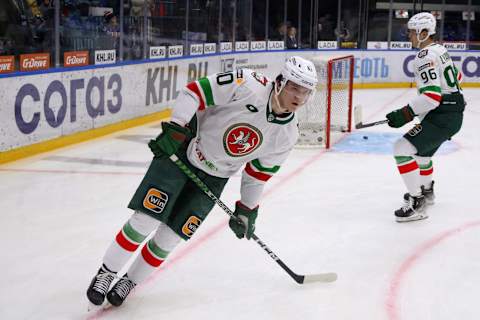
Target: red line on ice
(391, 303)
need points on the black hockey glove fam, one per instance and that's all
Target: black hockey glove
(399, 117)
(246, 227)
(170, 140)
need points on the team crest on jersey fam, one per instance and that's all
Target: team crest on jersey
(155, 200)
(241, 139)
(191, 226)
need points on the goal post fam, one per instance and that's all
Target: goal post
(328, 113)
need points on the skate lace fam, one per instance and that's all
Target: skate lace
(409, 205)
(103, 281)
(123, 287)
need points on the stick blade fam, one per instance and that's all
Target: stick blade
(320, 277)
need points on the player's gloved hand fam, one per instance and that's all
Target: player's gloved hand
(247, 216)
(168, 142)
(399, 117)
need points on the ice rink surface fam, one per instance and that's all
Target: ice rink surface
(323, 211)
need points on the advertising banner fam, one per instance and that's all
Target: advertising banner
(105, 56)
(158, 52)
(209, 48)
(44, 106)
(34, 61)
(7, 64)
(75, 58)
(326, 45)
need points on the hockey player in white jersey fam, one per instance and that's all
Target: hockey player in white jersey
(439, 106)
(219, 124)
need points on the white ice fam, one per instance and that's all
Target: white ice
(324, 211)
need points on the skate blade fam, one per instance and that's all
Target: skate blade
(414, 217)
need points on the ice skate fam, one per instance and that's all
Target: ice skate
(414, 210)
(99, 286)
(120, 291)
(429, 195)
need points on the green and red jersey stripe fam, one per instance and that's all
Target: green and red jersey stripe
(203, 91)
(256, 174)
(433, 92)
(259, 172)
(196, 90)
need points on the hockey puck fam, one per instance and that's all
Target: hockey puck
(365, 137)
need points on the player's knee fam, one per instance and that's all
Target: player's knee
(403, 147)
(143, 223)
(165, 238)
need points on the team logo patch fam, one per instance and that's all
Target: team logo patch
(423, 53)
(155, 200)
(191, 226)
(415, 130)
(241, 139)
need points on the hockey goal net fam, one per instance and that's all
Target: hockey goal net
(328, 114)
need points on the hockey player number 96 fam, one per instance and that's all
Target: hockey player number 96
(427, 76)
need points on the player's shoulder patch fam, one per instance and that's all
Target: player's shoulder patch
(423, 53)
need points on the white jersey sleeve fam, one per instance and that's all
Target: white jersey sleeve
(256, 173)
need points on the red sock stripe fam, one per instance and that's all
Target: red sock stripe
(426, 172)
(194, 87)
(409, 167)
(149, 258)
(125, 243)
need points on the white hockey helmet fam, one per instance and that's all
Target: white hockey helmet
(300, 71)
(423, 21)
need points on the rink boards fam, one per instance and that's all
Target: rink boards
(42, 111)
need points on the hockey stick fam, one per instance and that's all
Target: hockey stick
(300, 279)
(358, 119)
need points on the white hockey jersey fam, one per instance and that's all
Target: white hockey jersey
(435, 74)
(236, 127)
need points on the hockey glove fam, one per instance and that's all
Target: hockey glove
(246, 226)
(399, 117)
(170, 140)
